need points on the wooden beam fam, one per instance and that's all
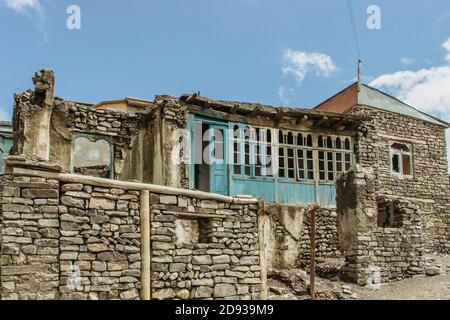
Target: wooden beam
(312, 263)
(320, 121)
(137, 186)
(262, 249)
(144, 212)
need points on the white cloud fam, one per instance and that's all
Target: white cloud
(446, 46)
(22, 6)
(407, 61)
(33, 10)
(286, 94)
(427, 89)
(299, 63)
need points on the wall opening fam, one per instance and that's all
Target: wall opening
(92, 156)
(389, 214)
(192, 231)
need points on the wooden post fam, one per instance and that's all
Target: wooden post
(312, 271)
(262, 249)
(145, 245)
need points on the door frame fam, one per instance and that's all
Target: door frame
(192, 120)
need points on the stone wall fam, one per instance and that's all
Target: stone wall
(100, 243)
(327, 237)
(223, 261)
(377, 254)
(429, 186)
(288, 234)
(30, 239)
(37, 140)
(82, 241)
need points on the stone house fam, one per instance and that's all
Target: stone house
(196, 198)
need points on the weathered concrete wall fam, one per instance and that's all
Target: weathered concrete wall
(31, 119)
(287, 235)
(429, 187)
(170, 121)
(283, 235)
(81, 241)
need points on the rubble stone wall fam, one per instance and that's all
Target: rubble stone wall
(429, 186)
(224, 262)
(376, 254)
(327, 237)
(54, 143)
(81, 241)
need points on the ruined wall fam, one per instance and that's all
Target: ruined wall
(45, 128)
(288, 232)
(429, 187)
(123, 129)
(81, 241)
(376, 254)
(222, 262)
(169, 136)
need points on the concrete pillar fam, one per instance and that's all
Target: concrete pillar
(32, 114)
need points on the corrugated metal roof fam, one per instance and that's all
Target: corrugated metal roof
(372, 97)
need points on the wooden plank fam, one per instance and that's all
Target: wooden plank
(144, 211)
(262, 249)
(312, 271)
(137, 186)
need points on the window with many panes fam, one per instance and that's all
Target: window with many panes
(296, 152)
(334, 156)
(401, 159)
(295, 156)
(252, 151)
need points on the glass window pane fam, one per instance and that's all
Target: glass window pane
(396, 163)
(347, 144)
(338, 143)
(309, 141)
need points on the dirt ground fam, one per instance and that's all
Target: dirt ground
(420, 288)
(293, 284)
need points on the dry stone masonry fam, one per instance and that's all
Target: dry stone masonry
(222, 262)
(81, 241)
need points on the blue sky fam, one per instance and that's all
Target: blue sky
(284, 52)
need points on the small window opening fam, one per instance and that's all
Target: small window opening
(401, 159)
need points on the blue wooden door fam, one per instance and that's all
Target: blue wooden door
(219, 168)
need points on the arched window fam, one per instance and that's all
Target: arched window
(290, 138)
(320, 142)
(347, 144)
(309, 141)
(236, 132)
(329, 143)
(300, 139)
(280, 137)
(338, 143)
